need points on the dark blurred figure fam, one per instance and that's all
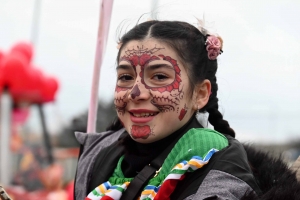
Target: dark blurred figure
(105, 115)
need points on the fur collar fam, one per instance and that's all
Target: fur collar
(274, 178)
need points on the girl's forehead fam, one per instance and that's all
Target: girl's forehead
(147, 42)
(136, 51)
(148, 46)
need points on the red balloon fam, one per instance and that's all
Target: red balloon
(1, 55)
(15, 69)
(1, 81)
(1, 72)
(33, 85)
(15, 74)
(25, 49)
(50, 89)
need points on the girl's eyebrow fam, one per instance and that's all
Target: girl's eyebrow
(158, 66)
(125, 67)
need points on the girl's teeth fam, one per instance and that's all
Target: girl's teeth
(143, 114)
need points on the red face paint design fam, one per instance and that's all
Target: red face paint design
(135, 92)
(121, 109)
(119, 89)
(141, 51)
(182, 113)
(120, 104)
(154, 79)
(164, 104)
(163, 108)
(140, 132)
(137, 57)
(174, 85)
(172, 93)
(140, 56)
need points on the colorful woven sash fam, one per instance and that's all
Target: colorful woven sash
(190, 153)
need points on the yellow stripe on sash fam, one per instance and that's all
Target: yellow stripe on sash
(127, 183)
(179, 166)
(196, 164)
(102, 188)
(147, 192)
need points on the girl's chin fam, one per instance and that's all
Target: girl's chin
(145, 141)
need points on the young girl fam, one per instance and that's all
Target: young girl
(166, 75)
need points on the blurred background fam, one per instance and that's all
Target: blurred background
(258, 76)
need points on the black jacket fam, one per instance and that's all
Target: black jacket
(268, 178)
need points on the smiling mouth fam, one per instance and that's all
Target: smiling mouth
(143, 114)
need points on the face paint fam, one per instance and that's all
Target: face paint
(150, 72)
(182, 113)
(135, 92)
(166, 97)
(174, 84)
(162, 108)
(120, 103)
(140, 132)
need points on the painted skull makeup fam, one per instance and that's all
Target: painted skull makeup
(150, 92)
(135, 92)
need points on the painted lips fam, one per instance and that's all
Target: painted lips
(141, 119)
(141, 116)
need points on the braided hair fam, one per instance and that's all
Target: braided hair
(189, 44)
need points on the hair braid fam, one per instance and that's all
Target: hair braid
(215, 118)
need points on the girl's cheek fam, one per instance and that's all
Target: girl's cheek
(120, 101)
(165, 102)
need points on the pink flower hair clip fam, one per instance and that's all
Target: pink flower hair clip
(213, 46)
(214, 43)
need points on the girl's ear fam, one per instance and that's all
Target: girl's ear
(201, 94)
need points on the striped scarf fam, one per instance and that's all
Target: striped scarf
(193, 150)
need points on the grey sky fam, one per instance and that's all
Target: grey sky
(258, 72)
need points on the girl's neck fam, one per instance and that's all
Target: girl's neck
(137, 155)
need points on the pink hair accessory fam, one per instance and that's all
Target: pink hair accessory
(213, 46)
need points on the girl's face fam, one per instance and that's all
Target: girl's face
(151, 92)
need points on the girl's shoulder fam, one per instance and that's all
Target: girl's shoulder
(200, 140)
(91, 144)
(90, 140)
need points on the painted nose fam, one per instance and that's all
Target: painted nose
(135, 92)
(139, 92)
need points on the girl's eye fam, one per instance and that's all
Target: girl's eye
(125, 77)
(159, 77)
(125, 80)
